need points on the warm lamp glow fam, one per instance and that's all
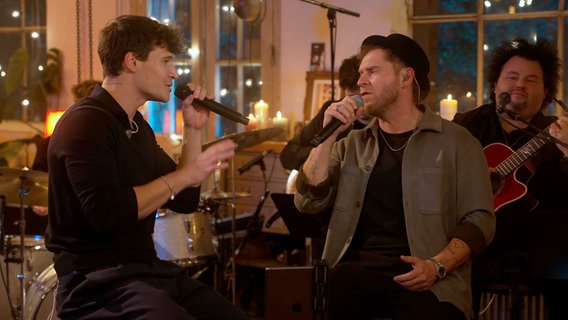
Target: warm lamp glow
(51, 119)
(179, 121)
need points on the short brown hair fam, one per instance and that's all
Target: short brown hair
(137, 34)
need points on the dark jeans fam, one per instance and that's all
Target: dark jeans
(363, 287)
(159, 290)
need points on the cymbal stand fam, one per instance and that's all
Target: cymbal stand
(252, 229)
(22, 224)
(232, 274)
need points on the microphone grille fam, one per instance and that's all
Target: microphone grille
(358, 100)
(504, 99)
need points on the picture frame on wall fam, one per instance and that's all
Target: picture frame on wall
(317, 57)
(318, 91)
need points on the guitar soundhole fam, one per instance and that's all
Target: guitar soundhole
(496, 182)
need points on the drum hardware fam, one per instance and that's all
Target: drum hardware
(212, 198)
(32, 187)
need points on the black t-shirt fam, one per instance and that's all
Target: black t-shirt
(382, 225)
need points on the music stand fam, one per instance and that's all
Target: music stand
(298, 224)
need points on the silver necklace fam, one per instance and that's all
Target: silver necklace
(135, 125)
(129, 131)
(388, 144)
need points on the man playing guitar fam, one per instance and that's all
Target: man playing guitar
(516, 135)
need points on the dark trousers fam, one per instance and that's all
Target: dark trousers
(363, 287)
(159, 290)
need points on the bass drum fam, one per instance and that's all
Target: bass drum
(41, 295)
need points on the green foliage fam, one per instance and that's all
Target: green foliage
(16, 67)
(39, 87)
(50, 78)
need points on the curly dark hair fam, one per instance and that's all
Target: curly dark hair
(138, 34)
(349, 73)
(84, 88)
(543, 51)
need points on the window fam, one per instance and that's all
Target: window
(231, 58)
(459, 35)
(237, 65)
(23, 60)
(165, 117)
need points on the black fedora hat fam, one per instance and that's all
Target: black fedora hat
(407, 50)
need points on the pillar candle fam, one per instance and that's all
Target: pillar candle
(253, 123)
(448, 108)
(281, 122)
(261, 114)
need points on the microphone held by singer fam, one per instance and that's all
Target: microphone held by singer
(330, 128)
(184, 91)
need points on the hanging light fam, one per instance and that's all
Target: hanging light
(248, 10)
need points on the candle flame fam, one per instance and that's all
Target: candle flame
(449, 97)
(278, 115)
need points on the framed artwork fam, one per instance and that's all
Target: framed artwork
(318, 91)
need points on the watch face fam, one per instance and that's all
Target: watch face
(441, 272)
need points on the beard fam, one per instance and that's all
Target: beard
(384, 100)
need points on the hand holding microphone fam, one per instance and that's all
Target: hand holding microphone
(183, 91)
(335, 123)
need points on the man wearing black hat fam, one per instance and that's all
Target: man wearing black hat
(410, 194)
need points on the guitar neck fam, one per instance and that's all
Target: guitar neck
(526, 151)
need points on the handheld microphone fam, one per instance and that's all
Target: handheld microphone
(183, 91)
(335, 123)
(254, 161)
(503, 100)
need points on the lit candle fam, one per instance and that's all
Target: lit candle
(281, 122)
(261, 114)
(448, 108)
(252, 123)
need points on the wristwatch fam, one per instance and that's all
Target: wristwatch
(440, 269)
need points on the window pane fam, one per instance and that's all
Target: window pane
(517, 6)
(496, 32)
(430, 7)
(228, 89)
(452, 61)
(252, 88)
(10, 14)
(35, 12)
(251, 36)
(36, 71)
(227, 31)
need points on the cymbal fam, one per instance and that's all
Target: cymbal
(33, 182)
(221, 195)
(248, 138)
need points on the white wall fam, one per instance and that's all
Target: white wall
(304, 23)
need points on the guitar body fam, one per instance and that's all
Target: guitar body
(510, 188)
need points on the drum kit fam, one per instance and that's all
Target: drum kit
(24, 188)
(199, 229)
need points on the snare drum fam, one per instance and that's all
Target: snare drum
(185, 239)
(40, 296)
(36, 258)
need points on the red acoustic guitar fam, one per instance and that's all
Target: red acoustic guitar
(504, 164)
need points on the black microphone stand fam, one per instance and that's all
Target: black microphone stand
(331, 16)
(254, 226)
